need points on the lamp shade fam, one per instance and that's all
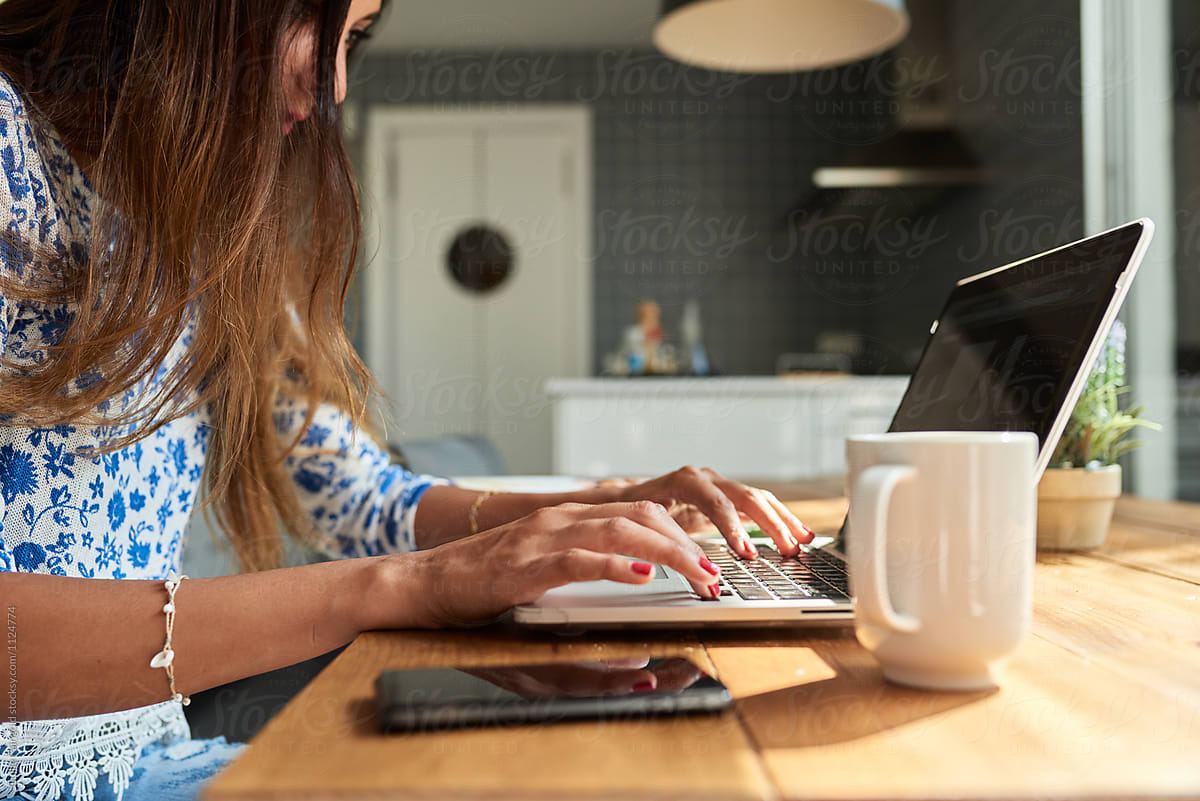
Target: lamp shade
(778, 35)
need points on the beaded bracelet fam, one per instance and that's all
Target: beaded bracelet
(471, 515)
(165, 657)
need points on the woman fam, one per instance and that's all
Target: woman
(180, 223)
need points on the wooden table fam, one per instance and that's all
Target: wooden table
(1101, 701)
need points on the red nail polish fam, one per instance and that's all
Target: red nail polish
(643, 686)
(709, 566)
(714, 590)
(642, 569)
(808, 530)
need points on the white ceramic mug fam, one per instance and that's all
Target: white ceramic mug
(941, 544)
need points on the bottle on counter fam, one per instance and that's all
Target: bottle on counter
(693, 344)
(635, 350)
(648, 317)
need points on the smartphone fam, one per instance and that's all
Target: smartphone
(444, 698)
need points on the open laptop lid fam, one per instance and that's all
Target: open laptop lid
(1013, 347)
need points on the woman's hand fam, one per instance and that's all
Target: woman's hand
(689, 518)
(476, 578)
(692, 495)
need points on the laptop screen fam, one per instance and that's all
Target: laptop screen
(1009, 343)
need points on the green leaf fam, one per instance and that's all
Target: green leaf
(1098, 429)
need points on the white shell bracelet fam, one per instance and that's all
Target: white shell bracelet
(166, 657)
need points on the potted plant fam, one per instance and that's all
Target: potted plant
(1080, 487)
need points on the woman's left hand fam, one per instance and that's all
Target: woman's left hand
(696, 496)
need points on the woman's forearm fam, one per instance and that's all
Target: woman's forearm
(443, 514)
(83, 646)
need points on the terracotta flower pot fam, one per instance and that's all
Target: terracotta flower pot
(1075, 507)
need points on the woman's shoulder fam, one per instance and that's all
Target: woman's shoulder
(32, 220)
(12, 104)
(17, 145)
(22, 192)
(20, 145)
(42, 200)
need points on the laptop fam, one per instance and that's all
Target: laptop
(1010, 351)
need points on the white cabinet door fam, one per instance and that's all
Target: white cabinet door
(458, 361)
(431, 362)
(529, 328)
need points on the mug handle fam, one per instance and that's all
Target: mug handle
(872, 495)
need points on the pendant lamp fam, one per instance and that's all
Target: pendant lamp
(764, 36)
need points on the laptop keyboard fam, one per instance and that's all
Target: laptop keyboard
(773, 577)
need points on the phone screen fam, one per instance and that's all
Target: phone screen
(544, 693)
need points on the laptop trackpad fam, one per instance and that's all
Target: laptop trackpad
(667, 585)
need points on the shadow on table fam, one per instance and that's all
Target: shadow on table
(241, 708)
(839, 695)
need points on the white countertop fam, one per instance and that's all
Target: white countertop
(540, 483)
(717, 385)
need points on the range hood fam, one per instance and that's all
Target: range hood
(925, 150)
(910, 157)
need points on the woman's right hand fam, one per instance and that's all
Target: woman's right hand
(477, 578)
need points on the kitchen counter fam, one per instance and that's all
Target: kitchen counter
(746, 427)
(642, 386)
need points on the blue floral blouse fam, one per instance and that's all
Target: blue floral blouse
(122, 515)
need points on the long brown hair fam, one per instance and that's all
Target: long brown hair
(207, 213)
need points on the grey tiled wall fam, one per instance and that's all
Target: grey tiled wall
(699, 164)
(719, 169)
(1013, 83)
